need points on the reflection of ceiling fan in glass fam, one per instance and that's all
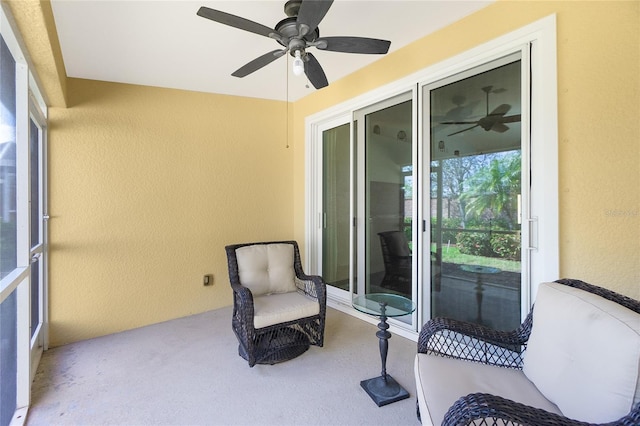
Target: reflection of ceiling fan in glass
(494, 120)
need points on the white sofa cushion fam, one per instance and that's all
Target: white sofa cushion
(278, 308)
(583, 353)
(266, 268)
(441, 381)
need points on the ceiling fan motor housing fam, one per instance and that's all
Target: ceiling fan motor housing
(288, 27)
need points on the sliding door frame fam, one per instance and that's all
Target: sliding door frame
(362, 215)
(543, 217)
(521, 54)
(314, 201)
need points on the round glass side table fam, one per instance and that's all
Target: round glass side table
(383, 389)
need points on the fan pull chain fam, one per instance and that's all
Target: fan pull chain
(287, 94)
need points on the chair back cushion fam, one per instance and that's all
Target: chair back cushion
(266, 268)
(584, 353)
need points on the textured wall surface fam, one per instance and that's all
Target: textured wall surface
(147, 186)
(598, 125)
(34, 20)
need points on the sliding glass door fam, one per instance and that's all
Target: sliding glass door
(464, 260)
(462, 180)
(385, 212)
(474, 197)
(336, 207)
(367, 201)
(451, 186)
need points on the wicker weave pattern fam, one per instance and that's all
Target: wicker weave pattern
(472, 342)
(278, 342)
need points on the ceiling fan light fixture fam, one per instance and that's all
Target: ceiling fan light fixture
(298, 65)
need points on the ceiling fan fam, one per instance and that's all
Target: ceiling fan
(494, 120)
(296, 34)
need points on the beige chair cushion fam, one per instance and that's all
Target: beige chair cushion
(278, 308)
(584, 353)
(266, 268)
(441, 381)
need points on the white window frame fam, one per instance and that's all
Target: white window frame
(39, 342)
(19, 280)
(541, 35)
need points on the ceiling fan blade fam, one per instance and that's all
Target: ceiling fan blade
(499, 127)
(258, 63)
(510, 119)
(461, 112)
(237, 22)
(314, 72)
(458, 122)
(354, 45)
(464, 130)
(500, 110)
(311, 13)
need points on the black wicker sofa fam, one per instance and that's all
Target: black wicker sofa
(575, 362)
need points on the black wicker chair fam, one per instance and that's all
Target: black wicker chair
(267, 322)
(476, 343)
(396, 256)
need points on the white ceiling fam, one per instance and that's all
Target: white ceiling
(163, 43)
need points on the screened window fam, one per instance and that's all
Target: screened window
(7, 161)
(8, 246)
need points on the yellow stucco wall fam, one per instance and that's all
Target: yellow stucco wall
(147, 186)
(599, 125)
(34, 20)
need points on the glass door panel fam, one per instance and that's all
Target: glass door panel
(474, 195)
(385, 204)
(336, 205)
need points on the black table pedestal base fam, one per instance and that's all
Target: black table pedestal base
(383, 391)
